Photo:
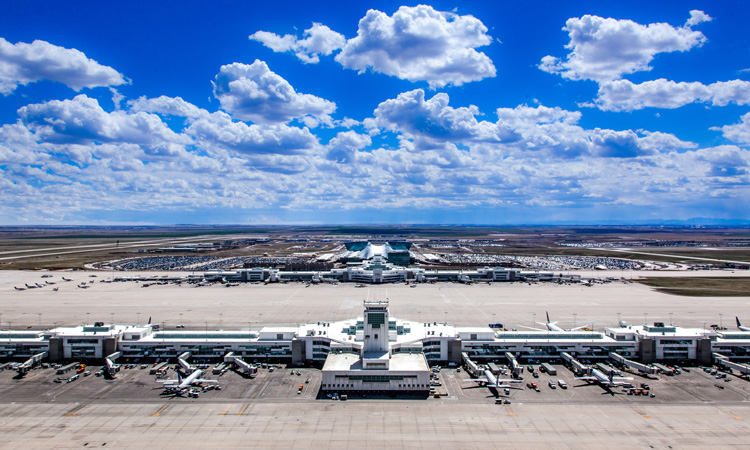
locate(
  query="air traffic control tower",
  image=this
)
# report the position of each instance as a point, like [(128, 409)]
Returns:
[(376, 368), (375, 349)]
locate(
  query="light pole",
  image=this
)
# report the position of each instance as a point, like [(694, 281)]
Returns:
[(618, 319), (40, 319), (112, 315), (533, 320), (221, 316), (139, 319), (180, 318), (645, 319), (261, 320), (670, 319), (87, 318), (574, 319), (721, 321)]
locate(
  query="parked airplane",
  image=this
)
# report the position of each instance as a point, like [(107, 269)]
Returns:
[(67, 279), (18, 288), (491, 381), (740, 326), (181, 385), (31, 286), (599, 377), (552, 326)]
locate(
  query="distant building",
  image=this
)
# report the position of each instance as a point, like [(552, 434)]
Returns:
[(395, 253)]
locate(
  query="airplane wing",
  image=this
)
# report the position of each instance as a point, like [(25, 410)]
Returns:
[(578, 328), (203, 380), (586, 378), (530, 328), (478, 380)]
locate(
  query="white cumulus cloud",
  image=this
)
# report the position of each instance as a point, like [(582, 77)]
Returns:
[(255, 93), (606, 49), (318, 40), (696, 17), (219, 129), (411, 114), (82, 120), (623, 95), (739, 132), (170, 106), (420, 44), (24, 63), (343, 148)]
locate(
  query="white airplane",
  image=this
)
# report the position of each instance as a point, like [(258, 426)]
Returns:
[(491, 381), (552, 326), (599, 377), (740, 326), (18, 288), (67, 279), (31, 286), (181, 385)]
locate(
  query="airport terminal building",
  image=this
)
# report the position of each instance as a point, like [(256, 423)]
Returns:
[(376, 351), (365, 262)]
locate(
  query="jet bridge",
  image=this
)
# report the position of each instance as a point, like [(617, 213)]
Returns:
[(239, 363), (112, 367), (515, 367), (578, 367), (186, 366), (470, 365), (722, 360), (643, 368), (24, 368)]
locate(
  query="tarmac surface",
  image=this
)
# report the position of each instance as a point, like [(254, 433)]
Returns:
[(255, 305), (688, 411)]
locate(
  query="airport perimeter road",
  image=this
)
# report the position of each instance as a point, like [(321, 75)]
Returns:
[(358, 424)]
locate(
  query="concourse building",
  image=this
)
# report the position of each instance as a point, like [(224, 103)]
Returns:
[(376, 351)]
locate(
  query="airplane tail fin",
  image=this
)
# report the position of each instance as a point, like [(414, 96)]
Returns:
[(548, 321), (149, 320), (738, 321)]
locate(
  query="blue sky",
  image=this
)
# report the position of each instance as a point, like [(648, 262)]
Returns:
[(456, 113)]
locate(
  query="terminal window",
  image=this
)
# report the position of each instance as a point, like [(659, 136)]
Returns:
[(376, 319)]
